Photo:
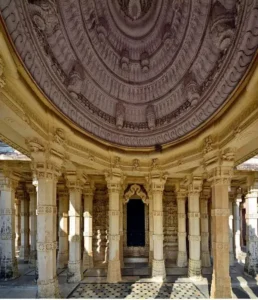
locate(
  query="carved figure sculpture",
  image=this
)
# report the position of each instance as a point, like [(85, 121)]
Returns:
[(75, 80), (192, 89), (120, 115), (151, 117)]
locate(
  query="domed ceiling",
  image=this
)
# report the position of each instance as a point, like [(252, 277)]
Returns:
[(135, 72)]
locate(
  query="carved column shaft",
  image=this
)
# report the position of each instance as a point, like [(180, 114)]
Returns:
[(74, 264), (181, 214), (230, 224), (237, 202), (17, 224), (87, 254), (221, 283), (205, 251), (24, 249), (194, 266), (150, 230), (121, 223), (114, 267), (8, 264), (62, 257), (158, 265), (32, 224), (251, 262)]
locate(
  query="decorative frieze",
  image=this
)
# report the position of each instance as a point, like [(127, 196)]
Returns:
[(220, 212), (194, 238), (46, 246), (46, 209)]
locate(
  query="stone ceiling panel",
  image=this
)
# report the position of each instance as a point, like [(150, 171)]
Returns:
[(135, 72)]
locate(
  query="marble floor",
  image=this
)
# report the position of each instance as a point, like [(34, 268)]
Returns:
[(136, 283)]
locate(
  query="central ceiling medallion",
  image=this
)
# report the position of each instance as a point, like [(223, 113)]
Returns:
[(135, 9)]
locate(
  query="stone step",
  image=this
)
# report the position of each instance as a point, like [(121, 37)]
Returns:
[(135, 260)]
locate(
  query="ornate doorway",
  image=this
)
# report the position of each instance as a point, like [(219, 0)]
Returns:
[(135, 223)]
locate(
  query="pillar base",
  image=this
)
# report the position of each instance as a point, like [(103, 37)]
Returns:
[(62, 259), (181, 259), (158, 269), (87, 261), (250, 266), (48, 288), (9, 269), (74, 272), (221, 287), (206, 259), (194, 269), (114, 271)]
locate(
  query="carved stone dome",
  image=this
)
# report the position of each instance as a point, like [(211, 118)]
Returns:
[(135, 72)]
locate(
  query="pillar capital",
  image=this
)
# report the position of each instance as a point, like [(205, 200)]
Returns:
[(46, 161), (157, 182), (114, 181), (8, 180), (194, 185), (88, 189), (30, 188), (75, 180)]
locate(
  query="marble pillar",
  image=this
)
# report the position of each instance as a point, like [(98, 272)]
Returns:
[(46, 180), (32, 223), (88, 193), (230, 225), (114, 266), (25, 246), (181, 215), (251, 261), (63, 253), (220, 177), (237, 220), (8, 264), (194, 189), (75, 186), (17, 224), (158, 264), (205, 251)]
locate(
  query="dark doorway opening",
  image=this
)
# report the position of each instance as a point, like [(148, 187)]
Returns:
[(135, 223)]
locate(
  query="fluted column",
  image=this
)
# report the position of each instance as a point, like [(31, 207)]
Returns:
[(32, 223), (220, 177), (205, 251), (181, 215), (237, 243), (88, 193), (75, 184), (114, 267), (63, 253), (157, 184), (17, 224), (8, 264), (25, 248), (194, 189), (251, 261), (230, 234)]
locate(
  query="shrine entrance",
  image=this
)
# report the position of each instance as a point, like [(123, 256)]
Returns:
[(135, 223)]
